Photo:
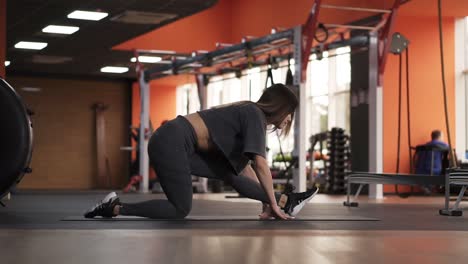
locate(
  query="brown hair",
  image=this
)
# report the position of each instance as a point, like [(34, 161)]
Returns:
[(436, 134), (277, 102)]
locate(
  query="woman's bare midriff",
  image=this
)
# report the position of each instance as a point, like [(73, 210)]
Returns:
[(203, 136)]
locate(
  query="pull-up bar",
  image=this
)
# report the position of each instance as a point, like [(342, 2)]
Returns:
[(350, 8), (156, 51), (348, 26), (360, 40), (288, 34)]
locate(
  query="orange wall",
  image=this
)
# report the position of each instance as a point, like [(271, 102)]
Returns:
[(197, 32), (426, 95), (2, 37), (257, 17)]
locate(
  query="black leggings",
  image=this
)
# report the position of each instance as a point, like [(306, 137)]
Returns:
[(172, 153)]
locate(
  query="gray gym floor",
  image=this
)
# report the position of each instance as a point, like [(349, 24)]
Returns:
[(409, 231)]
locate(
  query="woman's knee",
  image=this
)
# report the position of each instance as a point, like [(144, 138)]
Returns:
[(183, 209), (182, 201)]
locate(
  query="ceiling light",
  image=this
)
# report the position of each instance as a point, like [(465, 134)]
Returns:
[(87, 15), (60, 29), (112, 69), (141, 17), (147, 59), (31, 89), (7, 63), (30, 45), (48, 59)]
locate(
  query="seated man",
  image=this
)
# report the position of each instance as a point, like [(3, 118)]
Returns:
[(430, 159), (430, 155)]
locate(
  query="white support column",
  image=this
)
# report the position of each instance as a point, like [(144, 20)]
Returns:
[(332, 88), (375, 118), (144, 132), (201, 183), (299, 178), (461, 83), (202, 92)]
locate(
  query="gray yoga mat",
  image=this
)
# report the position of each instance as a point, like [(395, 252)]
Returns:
[(223, 218)]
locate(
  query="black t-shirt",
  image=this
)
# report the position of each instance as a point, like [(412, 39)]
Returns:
[(238, 130)]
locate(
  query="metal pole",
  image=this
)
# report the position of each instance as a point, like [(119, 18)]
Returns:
[(308, 33), (385, 38), (299, 175), (220, 52), (202, 182), (375, 118), (460, 197), (350, 8), (348, 26), (311, 166), (348, 191), (202, 91), (144, 132), (447, 191), (156, 51)]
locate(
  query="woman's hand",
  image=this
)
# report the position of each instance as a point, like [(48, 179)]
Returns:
[(278, 214), (275, 212), (266, 212), (264, 177)]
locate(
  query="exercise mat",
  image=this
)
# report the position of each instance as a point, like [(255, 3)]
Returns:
[(224, 218)]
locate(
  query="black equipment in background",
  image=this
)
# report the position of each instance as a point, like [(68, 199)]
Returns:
[(339, 163), (16, 138)]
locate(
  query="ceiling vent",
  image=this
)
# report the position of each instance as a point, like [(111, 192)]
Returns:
[(44, 59), (138, 17)]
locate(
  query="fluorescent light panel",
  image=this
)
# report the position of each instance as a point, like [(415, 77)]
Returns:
[(30, 45), (113, 69), (87, 15), (60, 29), (31, 89), (147, 59), (7, 63)]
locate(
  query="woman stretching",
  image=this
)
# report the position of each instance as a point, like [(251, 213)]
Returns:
[(226, 143)]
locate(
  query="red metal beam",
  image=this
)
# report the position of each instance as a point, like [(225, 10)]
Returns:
[(308, 33), (384, 38)]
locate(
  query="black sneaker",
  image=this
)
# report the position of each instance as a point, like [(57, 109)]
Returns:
[(296, 201), (104, 208)]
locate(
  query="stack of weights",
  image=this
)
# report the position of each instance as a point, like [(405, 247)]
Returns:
[(339, 163)]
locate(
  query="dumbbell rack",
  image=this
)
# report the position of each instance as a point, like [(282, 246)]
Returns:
[(340, 160)]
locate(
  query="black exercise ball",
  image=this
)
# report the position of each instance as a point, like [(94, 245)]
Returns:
[(16, 138)]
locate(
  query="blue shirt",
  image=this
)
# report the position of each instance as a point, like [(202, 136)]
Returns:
[(425, 158)]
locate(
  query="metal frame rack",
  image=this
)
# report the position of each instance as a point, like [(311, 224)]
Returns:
[(296, 43)]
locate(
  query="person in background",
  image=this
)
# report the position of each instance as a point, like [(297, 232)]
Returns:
[(425, 158), (429, 162)]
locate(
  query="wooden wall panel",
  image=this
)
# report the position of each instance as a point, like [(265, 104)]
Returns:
[(64, 128)]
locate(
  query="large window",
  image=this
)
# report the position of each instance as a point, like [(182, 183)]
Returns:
[(223, 90), (328, 84), (461, 88), (187, 99)]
